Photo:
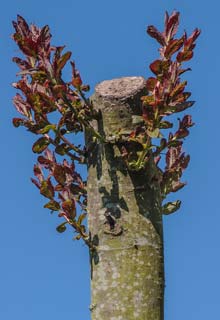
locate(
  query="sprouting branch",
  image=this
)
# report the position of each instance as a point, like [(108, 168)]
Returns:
[(43, 91)]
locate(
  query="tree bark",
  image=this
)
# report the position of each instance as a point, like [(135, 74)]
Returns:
[(125, 221)]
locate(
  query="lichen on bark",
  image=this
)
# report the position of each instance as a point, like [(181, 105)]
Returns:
[(127, 279)]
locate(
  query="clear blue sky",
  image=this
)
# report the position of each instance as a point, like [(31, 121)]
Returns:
[(45, 275)]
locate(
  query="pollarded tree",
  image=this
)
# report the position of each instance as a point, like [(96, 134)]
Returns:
[(127, 132)]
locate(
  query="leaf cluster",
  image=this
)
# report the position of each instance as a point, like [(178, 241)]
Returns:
[(167, 96), (43, 92)]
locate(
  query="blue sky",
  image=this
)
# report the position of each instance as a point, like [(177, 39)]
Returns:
[(45, 275)]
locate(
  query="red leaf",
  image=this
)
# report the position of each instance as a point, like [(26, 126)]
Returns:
[(173, 46), (17, 122), (76, 82), (44, 162), (151, 83), (154, 33), (184, 161), (44, 39), (21, 105), (64, 58), (184, 56), (171, 25), (57, 54), (186, 122), (183, 106), (62, 61), (38, 172), (182, 97), (50, 155), (178, 89), (189, 42), (172, 156), (22, 26), (181, 133), (59, 174), (76, 79), (179, 107), (23, 64), (24, 37), (158, 67), (69, 207)]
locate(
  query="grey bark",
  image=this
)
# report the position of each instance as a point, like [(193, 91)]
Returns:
[(127, 273)]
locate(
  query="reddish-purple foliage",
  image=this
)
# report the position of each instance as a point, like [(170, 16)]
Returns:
[(167, 95), (43, 91)]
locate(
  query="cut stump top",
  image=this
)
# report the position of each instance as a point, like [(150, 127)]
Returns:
[(120, 88)]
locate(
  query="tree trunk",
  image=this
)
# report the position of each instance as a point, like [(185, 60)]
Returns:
[(127, 274)]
